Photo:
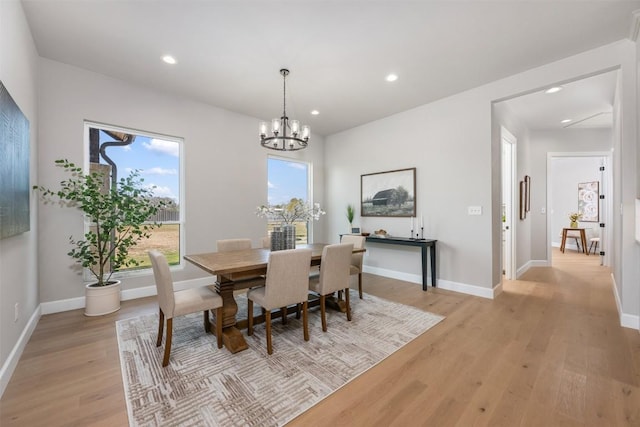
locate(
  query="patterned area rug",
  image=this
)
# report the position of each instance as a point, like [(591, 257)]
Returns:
[(205, 386)]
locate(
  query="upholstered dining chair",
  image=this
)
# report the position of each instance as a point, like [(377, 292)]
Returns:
[(356, 259), (287, 283), (177, 303), (228, 245), (335, 270)]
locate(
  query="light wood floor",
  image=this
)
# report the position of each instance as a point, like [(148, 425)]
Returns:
[(548, 351)]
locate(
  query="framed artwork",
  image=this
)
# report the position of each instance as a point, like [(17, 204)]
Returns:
[(14, 167), (527, 184), (589, 201), (523, 200), (391, 193)]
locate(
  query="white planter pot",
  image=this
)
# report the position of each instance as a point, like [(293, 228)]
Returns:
[(101, 300)]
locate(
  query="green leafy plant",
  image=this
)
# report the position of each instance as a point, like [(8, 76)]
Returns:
[(117, 216), (351, 212)]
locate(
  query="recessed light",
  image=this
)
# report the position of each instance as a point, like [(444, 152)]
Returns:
[(554, 89), (315, 112), (169, 59), (565, 121), (391, 77)]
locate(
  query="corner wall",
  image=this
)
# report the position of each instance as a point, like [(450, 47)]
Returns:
[(225, 167), (18, 254), (451, 143)]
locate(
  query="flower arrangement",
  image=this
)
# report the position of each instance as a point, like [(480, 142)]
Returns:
[(574, 216), (295, 210)]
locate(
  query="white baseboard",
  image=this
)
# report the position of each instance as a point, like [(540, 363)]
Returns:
[(125, 295), (12, 360), (442, 284), (626, 320), (532, 263)]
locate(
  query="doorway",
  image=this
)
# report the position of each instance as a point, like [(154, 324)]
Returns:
[(508, 143), (566, 172)]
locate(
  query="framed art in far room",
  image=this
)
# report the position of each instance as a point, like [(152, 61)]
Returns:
[(391, 193), (589, 201)]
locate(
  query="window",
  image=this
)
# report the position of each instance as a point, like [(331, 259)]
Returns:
[(158, 160), (286, 180)]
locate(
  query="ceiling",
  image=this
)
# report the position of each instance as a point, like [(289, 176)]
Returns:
[(229, 52)]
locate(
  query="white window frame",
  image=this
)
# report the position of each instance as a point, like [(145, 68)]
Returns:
[(309, 186), (144, 271)]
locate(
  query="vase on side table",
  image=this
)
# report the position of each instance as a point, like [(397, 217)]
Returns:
[(574, 224)]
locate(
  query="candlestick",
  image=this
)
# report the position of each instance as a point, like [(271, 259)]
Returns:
[(422, 232), (421, 221)]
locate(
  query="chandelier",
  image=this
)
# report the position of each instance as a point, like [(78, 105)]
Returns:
[(285, 135)]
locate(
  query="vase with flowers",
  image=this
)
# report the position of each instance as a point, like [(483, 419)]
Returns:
[(573, 218), (284, 235)]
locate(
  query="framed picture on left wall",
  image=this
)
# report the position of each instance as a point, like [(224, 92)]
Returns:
[(14, 167)]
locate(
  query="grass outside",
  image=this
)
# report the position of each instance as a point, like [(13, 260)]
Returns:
[(166, 239)]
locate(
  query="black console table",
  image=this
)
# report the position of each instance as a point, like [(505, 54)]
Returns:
[(422, 243)]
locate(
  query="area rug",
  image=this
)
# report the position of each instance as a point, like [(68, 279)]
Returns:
[(207, 386)]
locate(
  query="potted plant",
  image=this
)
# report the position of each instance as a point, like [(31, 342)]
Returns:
[(117, 215), (351, 212), (284, 236)]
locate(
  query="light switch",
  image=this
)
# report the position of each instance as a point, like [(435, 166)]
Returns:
[(474, 210)]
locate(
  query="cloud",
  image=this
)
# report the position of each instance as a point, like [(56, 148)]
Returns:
[(270, 185), (160, 191), (160, 171), (161, 146), (296, 165)]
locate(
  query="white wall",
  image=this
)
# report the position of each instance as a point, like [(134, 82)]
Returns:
[(451, 143), (18, 262), (225, 177)]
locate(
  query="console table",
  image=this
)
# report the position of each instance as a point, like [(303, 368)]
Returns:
[(422, 243)]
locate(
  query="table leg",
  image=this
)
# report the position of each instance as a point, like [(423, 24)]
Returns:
[(424, 268), (432, 253), (583, 237), (231, 335), (564, 239)]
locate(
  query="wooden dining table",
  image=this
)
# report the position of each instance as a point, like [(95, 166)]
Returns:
[(243, 269)]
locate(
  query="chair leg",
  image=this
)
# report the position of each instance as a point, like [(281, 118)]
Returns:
[(283, 314), (305, 320), (249, 317), (167, 344), (346, 299), (298, 311), (323, 313), (207, 324), (219, 314), (360, 284), (160, 328), (267, 320)]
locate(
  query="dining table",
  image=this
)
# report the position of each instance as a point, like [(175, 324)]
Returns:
[(237, 270)]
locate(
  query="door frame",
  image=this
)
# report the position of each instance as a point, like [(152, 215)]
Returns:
[(508, 248), (607, 206)]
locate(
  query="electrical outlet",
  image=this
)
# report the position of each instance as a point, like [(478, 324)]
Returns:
[(543, 210), (474, 210), (16, 313)]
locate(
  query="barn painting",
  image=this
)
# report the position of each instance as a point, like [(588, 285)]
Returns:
[(389, 193)]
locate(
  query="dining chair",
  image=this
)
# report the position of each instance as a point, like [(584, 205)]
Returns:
[(356, 259), (335, 270), (177, 303), (228, 245), (287, 283)]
